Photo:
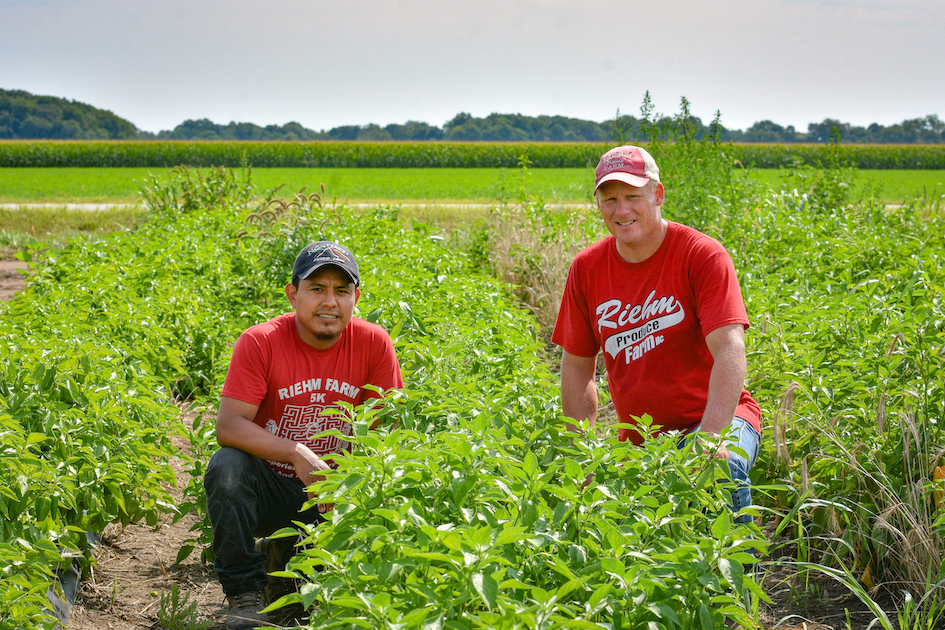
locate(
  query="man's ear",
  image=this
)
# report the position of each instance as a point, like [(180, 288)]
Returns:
[(660, 194), (291, 292), (357, 295)]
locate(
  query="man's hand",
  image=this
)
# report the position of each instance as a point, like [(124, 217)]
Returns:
[(720, 452), (308, 467)]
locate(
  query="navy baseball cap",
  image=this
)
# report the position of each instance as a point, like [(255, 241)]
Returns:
[(316, 255)]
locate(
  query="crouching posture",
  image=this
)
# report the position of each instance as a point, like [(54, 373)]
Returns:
[(282, 389)]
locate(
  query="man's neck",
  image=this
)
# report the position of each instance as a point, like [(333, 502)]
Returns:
[(643, 251)]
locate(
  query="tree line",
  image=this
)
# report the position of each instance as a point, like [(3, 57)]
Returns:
[(24, 115)]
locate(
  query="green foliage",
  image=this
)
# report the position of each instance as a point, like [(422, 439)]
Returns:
[(701, 190), (467, 508), (23, 115), (846, 353), (472, 460), (846, 356), (327, 154), (470, 496), (179, 613), (92, 354), (891, 156), (488, 523), (434, 154)]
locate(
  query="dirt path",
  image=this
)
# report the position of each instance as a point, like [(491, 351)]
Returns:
[(11, 278), (136, 566)]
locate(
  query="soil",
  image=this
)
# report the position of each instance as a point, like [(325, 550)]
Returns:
[(11, 278), (136, 565)]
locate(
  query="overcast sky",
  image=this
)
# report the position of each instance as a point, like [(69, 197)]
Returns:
[(326, 63)]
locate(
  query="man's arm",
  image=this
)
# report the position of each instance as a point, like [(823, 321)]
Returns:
[(236, 429), (578, 389), (727, 379)]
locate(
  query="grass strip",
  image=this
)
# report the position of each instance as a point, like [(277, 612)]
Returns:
[(392, 185)]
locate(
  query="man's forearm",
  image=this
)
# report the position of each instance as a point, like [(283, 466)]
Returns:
[(726, 381), (253, 439), (578, 389)]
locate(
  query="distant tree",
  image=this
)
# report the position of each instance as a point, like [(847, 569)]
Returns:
[(517, 128), (463, 127), (822, 131), (764, 131), (412, 130), (458, 120), (926, 130), (27, 116), (373, 132), (202, 129), (24, 115), (893, 134), (295, 131), (346, 132)]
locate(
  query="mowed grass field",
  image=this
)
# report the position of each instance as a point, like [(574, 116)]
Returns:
[(480, 185)]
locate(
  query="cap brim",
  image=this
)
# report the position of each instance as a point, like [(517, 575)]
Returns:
[(626, 178), (317, 266)]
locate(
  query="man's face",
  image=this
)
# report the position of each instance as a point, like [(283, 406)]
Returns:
[(632, 215), (324, 304)]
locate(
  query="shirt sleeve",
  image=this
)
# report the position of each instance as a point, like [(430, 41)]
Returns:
[(718, 296), (246, 377), (385, 371), (573, 328)]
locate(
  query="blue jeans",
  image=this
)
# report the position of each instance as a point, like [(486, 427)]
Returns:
[(746, 438), (245, 500)]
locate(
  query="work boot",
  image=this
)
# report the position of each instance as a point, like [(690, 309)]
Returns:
[(278, 552), (245, 610)]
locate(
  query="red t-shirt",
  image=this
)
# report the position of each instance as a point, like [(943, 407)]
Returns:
[(651, 319), (294, 384)]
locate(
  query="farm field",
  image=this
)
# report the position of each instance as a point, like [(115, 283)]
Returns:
[(481, 185), (466, 510)]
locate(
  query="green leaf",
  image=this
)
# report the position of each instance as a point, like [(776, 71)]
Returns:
[(530, 465), (184, 552), (486, 587)]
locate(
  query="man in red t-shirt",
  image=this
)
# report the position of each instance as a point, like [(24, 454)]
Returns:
[(283, 388), (663, 302)]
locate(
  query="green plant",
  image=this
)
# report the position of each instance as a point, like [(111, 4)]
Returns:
[(927, 612), (434, 154), (473, 475), (179, 613)]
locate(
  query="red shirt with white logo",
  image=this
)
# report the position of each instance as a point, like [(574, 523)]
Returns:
[(298, 387), (651, 319)]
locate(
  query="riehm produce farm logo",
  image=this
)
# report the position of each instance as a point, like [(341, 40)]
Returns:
[(649, 320)]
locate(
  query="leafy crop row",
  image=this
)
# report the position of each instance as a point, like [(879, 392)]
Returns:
[(877, 156), (467, 509), (846, 357), (294, 154), (470, 493), (416, 154), (848, 354), (92, 356)]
